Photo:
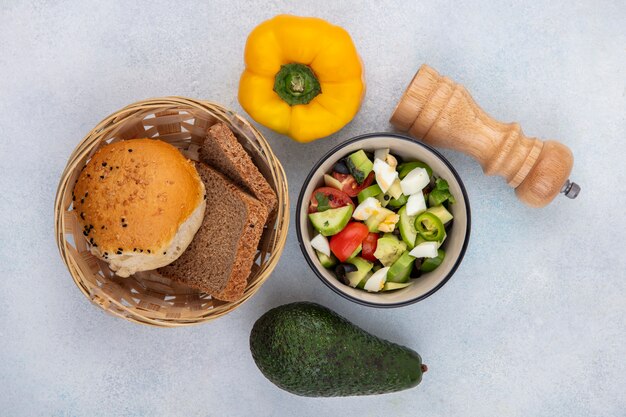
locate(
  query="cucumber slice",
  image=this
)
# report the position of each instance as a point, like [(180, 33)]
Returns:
[(332, 221), (401, 269), (371, 191), (326, 261), (363, 268), (440, 211), (407, 228), (405, 168), (361, 284), (392, 286), (356, 252), (359, 166), (332, 182), (398, 202), (430, 264)]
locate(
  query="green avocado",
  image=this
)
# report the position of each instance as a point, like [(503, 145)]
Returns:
[(388, 249), (326, 261), (363, 268), (395, 191), (309, 350), (401, 269), (440, 211)]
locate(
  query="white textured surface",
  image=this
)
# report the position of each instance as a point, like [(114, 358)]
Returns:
[(532, 324)]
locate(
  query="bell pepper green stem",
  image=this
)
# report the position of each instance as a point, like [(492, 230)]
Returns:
[(296, 84)]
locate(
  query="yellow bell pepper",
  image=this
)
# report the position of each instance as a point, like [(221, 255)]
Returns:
[(303, 77)]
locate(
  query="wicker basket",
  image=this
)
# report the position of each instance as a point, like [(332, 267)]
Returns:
[(147, 297)]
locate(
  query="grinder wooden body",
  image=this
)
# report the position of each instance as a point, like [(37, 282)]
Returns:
[(442, 113)]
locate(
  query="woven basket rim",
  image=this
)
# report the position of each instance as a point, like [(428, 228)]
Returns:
[(90, 140)]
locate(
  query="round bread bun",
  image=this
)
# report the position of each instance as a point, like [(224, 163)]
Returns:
[(140, 203)]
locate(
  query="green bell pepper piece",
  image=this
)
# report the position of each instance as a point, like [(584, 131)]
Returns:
[(430, 227), (430, 264)]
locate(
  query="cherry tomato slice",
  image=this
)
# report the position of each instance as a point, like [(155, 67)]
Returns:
[(344, 243), (329, 198), (349, 184), (369, 247)]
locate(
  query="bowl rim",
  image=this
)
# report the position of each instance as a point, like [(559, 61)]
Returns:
[(337, 149)]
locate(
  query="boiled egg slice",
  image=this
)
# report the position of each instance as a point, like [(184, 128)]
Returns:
[(369, 207), (415, 204), (381, 154), (425, 250), (415, 181), (385, 174), (389, 223), (320, 242), (377, 281)]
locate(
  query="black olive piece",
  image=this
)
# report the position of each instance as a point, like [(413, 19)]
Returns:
[(341, 167), (448, 225), (342, 270), (418, 263), (416, 272)]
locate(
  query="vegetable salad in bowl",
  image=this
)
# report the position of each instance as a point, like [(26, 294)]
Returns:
[(380, 222)]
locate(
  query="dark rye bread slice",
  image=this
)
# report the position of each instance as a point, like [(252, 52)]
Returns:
[(222, 150), (220, 256)]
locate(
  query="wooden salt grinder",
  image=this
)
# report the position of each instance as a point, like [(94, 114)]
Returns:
[(443, 114)]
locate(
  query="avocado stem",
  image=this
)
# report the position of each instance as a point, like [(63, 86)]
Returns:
[(424, 367)]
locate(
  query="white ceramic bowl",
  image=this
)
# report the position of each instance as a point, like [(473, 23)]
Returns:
[(454, 245)]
